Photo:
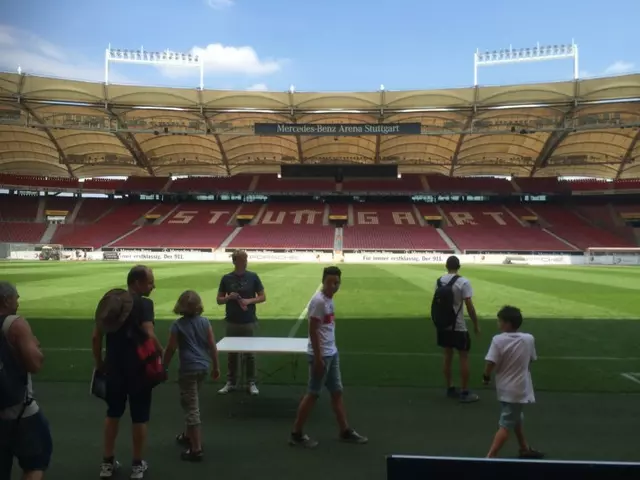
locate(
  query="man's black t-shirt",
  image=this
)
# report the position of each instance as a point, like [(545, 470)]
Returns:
[(247, 285), (120, 345)]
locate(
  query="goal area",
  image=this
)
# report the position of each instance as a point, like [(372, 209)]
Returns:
[(612, 256)]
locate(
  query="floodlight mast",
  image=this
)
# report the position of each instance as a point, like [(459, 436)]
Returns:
[(519, 55), (167, 58)]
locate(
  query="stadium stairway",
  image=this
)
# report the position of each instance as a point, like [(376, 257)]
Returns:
[(448, 241), (636, 232), (230, 238), (41, 206), (74, 213), (49, 233), (133, 230), (560, 239)]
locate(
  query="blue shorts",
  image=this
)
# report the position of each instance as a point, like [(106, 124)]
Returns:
[(28, 440), (511, 415), (332, 379)]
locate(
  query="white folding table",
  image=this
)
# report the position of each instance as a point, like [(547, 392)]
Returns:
[(263, 345)]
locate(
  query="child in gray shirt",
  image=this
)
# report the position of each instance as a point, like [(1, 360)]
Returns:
[(193, 337)]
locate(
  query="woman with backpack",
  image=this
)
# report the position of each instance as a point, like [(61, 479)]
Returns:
[(192, 336)]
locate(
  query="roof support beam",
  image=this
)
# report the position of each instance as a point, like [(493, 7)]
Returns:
[(627, 156), (467, 126), (61, 154), (381, 117), (556, 138), (216, 137), (294, 119)]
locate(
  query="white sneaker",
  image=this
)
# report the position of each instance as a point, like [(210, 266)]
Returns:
[(138, 471), (228, 387), (253, 389), (107, 469)]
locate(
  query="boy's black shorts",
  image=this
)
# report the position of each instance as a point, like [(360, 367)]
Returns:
[(460, 341)]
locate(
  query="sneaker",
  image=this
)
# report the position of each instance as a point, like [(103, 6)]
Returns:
[(183, 440), (253, 389), (228, 387), (138, 470), (107, 469), (351, 436), (192, 456), (531, 454), (468, 397), (453, 392), (302, 440)]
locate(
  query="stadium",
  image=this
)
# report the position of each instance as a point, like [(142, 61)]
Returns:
[(535, 187)]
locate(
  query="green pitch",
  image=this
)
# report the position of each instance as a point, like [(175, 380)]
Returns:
[(585, 319)]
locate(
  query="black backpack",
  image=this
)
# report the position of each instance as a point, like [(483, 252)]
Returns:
[(13, 377), (443, 314)]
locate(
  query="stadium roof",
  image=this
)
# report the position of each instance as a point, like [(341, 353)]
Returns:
[(55, 127)]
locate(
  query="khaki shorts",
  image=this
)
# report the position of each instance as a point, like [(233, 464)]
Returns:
[(189, 400)]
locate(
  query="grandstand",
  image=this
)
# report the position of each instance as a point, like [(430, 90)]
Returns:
[(195, 172)]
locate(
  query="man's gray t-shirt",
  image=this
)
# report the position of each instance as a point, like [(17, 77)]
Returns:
[(247, 285), (193, 344), (461, 290)]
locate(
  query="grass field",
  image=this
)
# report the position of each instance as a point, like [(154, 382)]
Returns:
[(585, 320)]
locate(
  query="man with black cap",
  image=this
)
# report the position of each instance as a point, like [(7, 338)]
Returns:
[(458, 338), (120, 313)]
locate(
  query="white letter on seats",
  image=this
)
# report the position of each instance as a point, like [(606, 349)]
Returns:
[(368, 218), (497, 216), (184, 216), (268, 218), (462, 218), (216, 216), (311, 216), (401, 218)]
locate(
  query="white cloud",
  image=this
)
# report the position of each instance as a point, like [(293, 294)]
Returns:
[(36, 56), (228, 60), (220, 4), (619, 67), (258, 87)]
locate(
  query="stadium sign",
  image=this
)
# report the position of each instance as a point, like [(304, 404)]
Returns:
[(337, 129)]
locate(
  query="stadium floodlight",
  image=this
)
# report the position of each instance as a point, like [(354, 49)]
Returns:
[(536, 54), (167, 58)]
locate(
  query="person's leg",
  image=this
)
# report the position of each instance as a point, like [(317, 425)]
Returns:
[(314, 386), (507, 422), (333, 382), (231, 330), (462, 343), (444, 341), (250, 360), (33, 446), (140, 410), (116, 399), (6, 449), (190, 405), (525, 449)]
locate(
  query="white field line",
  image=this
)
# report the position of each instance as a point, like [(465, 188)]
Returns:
[(425, 354), (632, 376), (303, 315)]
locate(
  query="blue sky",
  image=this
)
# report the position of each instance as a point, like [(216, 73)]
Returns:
[(329, 45)]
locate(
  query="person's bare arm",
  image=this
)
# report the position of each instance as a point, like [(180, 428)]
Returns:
[(259, 298), (172, 346), (223, 298), (471, 310), (213, 351), (96, 347), (150, 330), (314, 336), (21, 337)]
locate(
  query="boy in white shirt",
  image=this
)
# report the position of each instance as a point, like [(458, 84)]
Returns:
[(510, 355), (324, 364)]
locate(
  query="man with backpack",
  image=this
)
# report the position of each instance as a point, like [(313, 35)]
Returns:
[(126, 319), (453, 292), (24, 431)]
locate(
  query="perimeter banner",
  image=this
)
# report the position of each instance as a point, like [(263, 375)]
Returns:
[(337, 129)]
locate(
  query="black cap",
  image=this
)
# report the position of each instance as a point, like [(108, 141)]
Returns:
[(453, 263)]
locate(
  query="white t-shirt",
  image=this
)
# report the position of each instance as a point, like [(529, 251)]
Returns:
[(461, 290), (321, 307), (512, 353)]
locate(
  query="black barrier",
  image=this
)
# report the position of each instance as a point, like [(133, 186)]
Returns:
[(110, 256), (400, 467)]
